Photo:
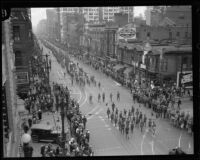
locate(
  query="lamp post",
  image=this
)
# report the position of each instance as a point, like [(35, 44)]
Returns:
[(47, 67), (181, 74), (64, 101), (62, 113)]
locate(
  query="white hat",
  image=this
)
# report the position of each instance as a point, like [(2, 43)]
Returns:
[(26, 138)]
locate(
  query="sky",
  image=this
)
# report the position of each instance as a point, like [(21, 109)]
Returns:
[(40, 13)]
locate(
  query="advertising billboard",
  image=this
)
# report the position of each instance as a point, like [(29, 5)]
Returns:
[(127, 33), (186, 79)]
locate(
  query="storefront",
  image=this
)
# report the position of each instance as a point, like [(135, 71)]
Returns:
[(127, 76), (117, 68)]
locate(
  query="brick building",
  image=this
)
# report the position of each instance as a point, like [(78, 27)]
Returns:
[(169, 36), (179, 15), (164, 62), (23, 46)]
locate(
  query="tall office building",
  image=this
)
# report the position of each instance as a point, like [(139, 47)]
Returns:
[(129, 11), (91, 14), (98, 14), (108, 13)]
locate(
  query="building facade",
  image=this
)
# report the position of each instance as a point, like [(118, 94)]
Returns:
[(91, 14), (72, 25), (42, 27), (9, 108), (164, 63), (177, 15), (53, 24), (23, 47), (129, 11), (110, 41)]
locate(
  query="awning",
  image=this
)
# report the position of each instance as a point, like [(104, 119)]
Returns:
[(122, 69), (128, 70), (117, 67)]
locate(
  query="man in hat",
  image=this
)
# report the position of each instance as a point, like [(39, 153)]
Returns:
[(84, 121), (28, 150), (42, 150), (87, 135), (30, 122)]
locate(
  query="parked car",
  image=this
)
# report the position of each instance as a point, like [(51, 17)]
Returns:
[(44, 132)]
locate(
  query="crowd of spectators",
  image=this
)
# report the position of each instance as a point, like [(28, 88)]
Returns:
[(162, 101)]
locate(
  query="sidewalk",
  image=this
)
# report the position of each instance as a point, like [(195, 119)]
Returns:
[(15, 148), (187, 106)]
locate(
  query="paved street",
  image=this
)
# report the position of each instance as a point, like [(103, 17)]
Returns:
[(106, 138)]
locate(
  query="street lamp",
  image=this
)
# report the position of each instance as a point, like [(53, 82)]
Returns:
[(64, 101), (63, 123)]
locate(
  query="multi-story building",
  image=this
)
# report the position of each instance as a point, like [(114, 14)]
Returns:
[(174, 15), (53, 24), (121, 19), (91, 14), (110, 40), (180, 15), (71, 27), (165, 63), (17, 48), (23, 46), (129, 11), (99, 14), (134, 51), (96, 32), (42, 27), (9, 109), (108, 13), (70, 9)]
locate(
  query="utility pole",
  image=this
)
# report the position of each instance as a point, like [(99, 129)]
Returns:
[(63, 123), (47, 67)]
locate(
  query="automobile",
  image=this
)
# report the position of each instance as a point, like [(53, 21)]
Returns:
[(45, 132)]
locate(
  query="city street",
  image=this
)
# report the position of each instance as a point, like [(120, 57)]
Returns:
[(97, 81), (106, 139)]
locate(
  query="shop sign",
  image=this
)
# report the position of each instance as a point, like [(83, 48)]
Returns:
[(143, 66), (22, 77), (186, 79), (127, 33)]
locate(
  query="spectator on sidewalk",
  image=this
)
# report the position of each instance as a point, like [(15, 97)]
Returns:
[(42, 150), (28, 150), (179, 103), (84, 121), (30, 122), (40, 114)]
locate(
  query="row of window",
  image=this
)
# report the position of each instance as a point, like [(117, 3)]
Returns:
[(17, 34), (170, 34)]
